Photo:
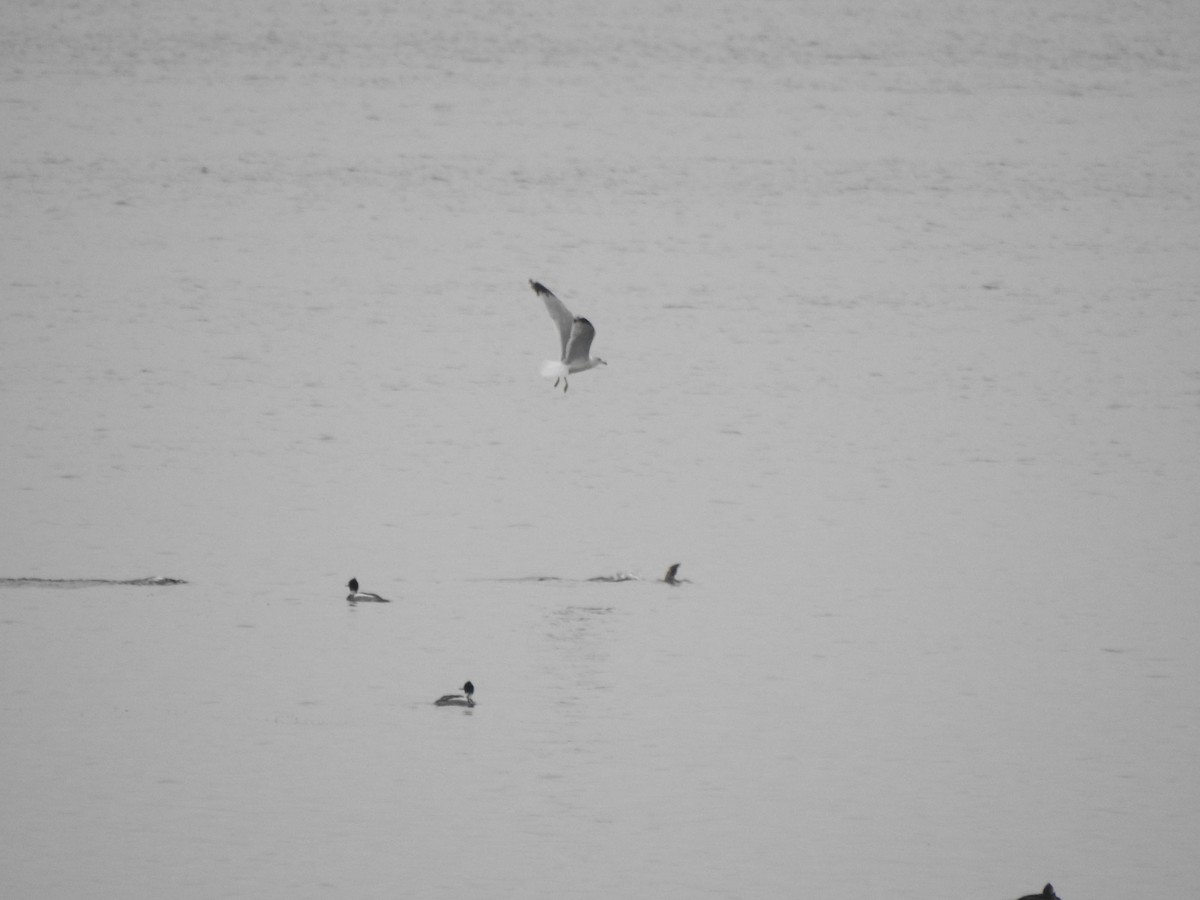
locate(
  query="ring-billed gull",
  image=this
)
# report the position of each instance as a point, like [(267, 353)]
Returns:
[(457, 699), (576, 333)]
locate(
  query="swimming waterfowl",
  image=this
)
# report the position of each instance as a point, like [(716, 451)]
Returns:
[(576, 334), (357, 596), (1046, 894), (457, 699)]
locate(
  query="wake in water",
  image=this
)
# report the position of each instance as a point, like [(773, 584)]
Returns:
[(153, 581), (670, 578)]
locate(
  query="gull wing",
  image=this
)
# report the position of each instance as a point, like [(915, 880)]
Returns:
[(580, 343), (558, 312)]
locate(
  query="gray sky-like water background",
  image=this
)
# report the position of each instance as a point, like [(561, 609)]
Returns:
[(900, 307)]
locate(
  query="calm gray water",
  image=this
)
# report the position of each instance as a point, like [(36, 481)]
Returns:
[(899, 303)]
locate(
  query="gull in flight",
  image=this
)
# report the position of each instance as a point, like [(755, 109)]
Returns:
[(576, 333)]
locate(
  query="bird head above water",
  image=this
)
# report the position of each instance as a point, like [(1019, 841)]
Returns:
[(356, 596), (458, 699)]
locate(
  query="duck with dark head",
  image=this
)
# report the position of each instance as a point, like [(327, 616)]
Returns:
[(357, 596), (1046, 894), (463, 699)]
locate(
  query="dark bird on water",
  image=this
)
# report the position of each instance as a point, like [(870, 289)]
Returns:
[(357, 596), (1046, 894), (670, 578), (457, 699)]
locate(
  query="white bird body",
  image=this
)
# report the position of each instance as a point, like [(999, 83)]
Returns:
[(454, 700), (576, 334)]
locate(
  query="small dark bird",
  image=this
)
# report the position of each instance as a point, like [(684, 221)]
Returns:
[(357, 596), (457, 699), (1046, 894), (670, 578)]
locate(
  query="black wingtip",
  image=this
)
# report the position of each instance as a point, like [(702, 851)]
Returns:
[(538, 287)]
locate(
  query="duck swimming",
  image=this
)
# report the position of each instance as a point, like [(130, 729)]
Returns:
[(457, 699), (1046, 894), (357, 596)]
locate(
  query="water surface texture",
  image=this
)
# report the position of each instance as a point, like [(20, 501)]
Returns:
[(900, 307)]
